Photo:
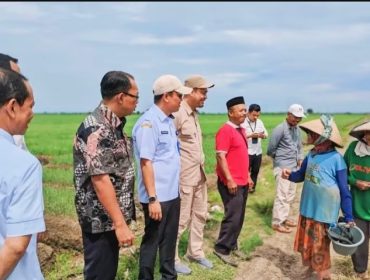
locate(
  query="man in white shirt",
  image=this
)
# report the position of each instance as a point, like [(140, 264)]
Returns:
[(255, 131)]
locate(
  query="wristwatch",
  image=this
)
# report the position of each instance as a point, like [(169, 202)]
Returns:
[(152, 199)]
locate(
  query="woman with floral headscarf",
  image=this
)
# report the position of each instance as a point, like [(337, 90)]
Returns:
[(357, 157), (325, 190)]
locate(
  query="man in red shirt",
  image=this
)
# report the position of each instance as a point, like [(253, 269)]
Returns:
[(233, 179)]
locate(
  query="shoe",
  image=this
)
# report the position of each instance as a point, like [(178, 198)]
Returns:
[(202, 261), (228, 259), (241, 255), (290, 223), (363, 275), (182, 268), (281, 228)]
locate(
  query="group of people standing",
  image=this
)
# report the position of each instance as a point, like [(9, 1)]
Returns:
[(166, 145)]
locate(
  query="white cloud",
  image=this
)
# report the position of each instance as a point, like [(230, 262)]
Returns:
[(17, 11), (343, 34), (321, 87), (225, 80)]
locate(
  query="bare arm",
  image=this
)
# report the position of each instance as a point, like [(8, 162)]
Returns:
[(11, 252), (155, 211), (107, 197), (222, 162)]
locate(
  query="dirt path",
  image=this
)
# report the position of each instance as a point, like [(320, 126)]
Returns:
[(276, 260)]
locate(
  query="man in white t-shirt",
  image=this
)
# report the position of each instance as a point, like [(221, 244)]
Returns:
[(255, 132)]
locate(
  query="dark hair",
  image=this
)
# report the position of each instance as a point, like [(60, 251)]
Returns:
[(12, 85), (115, 82), (254, 107), (157, 98), (5, 61)]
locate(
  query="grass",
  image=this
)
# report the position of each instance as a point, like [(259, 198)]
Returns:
[(50, 136)]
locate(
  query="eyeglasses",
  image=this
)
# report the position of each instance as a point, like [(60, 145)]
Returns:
[(131, 95)]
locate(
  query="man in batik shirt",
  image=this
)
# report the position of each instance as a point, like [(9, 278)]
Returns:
[(104, 176)]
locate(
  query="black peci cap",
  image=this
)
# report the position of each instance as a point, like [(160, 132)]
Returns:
[(235, 101)]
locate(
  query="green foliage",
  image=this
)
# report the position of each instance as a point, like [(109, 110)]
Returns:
[(59, 200), (65, 267)]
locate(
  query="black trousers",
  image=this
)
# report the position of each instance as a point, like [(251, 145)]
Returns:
[(233, 220), (361, 256), (163, 235), (254, 167), (101, 255)]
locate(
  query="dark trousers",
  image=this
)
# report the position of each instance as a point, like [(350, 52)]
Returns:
[(254, 167), (233, 220), (361, 256), (163, 235), (101, 255)]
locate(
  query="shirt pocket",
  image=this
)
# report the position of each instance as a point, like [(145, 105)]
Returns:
[(188, 135)]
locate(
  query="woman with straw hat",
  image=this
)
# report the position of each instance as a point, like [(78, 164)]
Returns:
[(357, 157), (325, 190)]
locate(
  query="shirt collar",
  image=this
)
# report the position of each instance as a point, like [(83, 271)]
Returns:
[(111, 117), (6, 135), (187, 108), (162, 116), (233, 124)]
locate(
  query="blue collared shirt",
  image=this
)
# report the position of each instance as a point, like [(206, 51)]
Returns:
[(21, 203), (154, 137)]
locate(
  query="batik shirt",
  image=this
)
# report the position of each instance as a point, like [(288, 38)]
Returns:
[(101, 147)]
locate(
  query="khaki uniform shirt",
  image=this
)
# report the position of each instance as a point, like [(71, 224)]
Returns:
[(191, 149)]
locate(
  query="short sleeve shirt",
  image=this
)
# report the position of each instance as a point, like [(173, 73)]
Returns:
[(101, 147), (21, 203), (155, 139), (233, 143), (191, 150), (254, 127)]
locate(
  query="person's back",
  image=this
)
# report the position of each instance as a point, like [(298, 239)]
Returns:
[(16, 164)]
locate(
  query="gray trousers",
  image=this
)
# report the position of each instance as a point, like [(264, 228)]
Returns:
[(361, 256)]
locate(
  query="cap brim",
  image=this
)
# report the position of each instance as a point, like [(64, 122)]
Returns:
[(299, 115), (184, 90)]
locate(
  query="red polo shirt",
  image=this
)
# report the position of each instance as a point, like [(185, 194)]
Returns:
[(230, 141)]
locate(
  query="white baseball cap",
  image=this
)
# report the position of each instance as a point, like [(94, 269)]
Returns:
[(169, 83), (297, 110)]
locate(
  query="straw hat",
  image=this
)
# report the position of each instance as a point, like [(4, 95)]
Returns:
[(359, 131), (317, 127)]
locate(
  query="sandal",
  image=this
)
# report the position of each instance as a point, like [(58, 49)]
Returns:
[(290, 223), (281, 228)]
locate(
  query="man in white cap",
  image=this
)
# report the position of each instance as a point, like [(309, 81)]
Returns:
[(193, 188), (285, 148), (158, 157)]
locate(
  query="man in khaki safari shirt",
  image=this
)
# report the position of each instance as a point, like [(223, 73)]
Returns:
[(193, 188)]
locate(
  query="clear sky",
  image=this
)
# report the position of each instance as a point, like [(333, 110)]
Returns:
[(273, 53)]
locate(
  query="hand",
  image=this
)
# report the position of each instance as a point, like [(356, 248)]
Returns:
[(362, 185), (262, 135), (124, 236), (285, 173), (350, 224), (232, 187), (155, 211), (250, 183)]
